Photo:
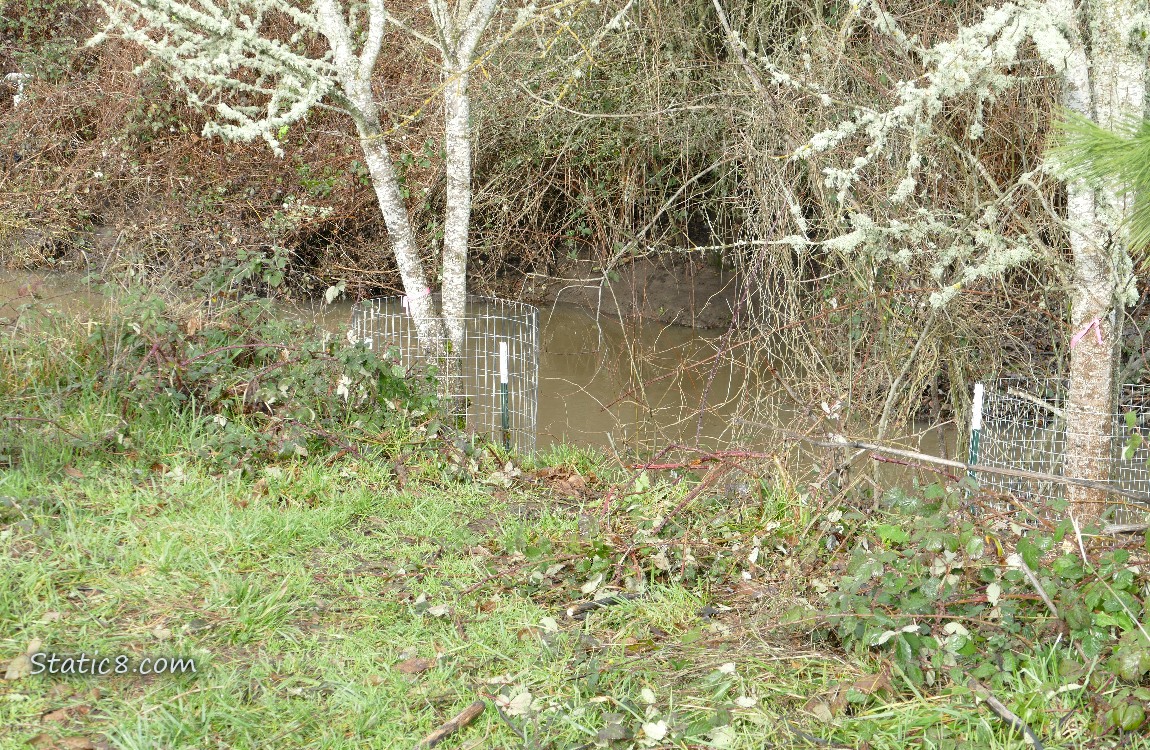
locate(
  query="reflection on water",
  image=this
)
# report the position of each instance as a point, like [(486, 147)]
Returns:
[(25, 292)]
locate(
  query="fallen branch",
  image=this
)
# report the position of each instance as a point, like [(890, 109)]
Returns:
[(1004, 713), (582, 609), (1115, 529), (840, 442), (454, 724), (712, 476)]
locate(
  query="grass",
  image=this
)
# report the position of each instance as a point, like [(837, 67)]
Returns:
[(298, 592), (308, 590), (295, 605)]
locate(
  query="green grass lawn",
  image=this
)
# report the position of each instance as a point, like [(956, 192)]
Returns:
[(308, 597)]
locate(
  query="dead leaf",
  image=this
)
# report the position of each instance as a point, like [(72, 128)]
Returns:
[(753, 590), (19, 668), (872, 683), (415, 665), (194, 325), (66, 713), (76, 743), (591, 585), (31, 289), (819, 709), (400, 470), (40, 740), (517, 706), (50, 617), (73, 472)]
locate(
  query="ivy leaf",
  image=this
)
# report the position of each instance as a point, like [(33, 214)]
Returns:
[(993, 594), (1030, 552), (892, 534)]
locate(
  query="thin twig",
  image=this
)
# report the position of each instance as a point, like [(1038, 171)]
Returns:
[(712, 475), (1017, 561), (453, 725), (14, 418), (1004, 713), (913, 465), (841, 442)]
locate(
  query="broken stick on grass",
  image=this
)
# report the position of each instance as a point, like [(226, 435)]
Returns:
[(454, 724), (582, 609), (1004, 713)]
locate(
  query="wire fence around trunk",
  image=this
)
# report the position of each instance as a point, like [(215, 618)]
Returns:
[(1023, 426), (492, 384)]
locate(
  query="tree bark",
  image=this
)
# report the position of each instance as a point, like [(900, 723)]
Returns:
[(458, 211), (354, 72), (403, 244), (1105, 81)]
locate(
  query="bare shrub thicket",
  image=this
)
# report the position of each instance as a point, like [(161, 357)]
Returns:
[(606, 133), (842, 327)]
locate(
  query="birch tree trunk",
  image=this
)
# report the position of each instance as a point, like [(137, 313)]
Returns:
[(458, 211), (459, 34), (260, 85), (403, 243), (1106, 82), (354, 72)]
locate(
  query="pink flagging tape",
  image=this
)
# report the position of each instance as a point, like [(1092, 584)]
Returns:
[(1096, 324), (404, 299)]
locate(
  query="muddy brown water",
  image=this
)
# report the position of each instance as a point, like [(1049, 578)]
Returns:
[(618, 385), (623, 386)]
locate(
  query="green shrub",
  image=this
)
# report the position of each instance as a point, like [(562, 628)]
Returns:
[(253, 382), (947, 594)]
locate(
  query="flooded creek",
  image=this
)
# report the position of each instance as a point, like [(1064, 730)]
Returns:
[(624, 387)]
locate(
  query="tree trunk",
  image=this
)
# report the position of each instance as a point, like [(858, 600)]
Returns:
[(403, 244), (458, 210), (1090, 399), (355, 73), (1106, 81)]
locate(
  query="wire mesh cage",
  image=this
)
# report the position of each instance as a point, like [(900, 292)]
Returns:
[(1024, 427), (493, 385)]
